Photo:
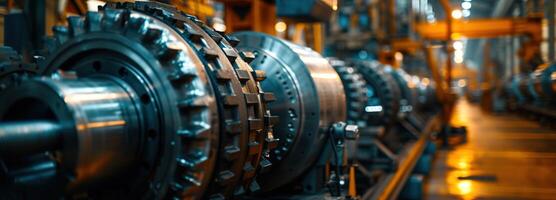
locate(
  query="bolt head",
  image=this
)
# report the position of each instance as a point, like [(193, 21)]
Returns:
[(352, 132)]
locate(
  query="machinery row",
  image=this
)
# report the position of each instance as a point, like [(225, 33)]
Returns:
[(534, 93), (142, 101)]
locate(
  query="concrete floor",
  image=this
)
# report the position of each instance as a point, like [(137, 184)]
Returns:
[(505, 157)]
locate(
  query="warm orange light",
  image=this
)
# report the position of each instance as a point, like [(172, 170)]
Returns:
[(457, 14), (458, 59), (458, 45), (455, 36), (462, 83), (425, 81), (464, 187), (280, 26)]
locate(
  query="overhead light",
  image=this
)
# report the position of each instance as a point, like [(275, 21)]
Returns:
[(425, 81), (280, 26), (466, 5), (458, 59), (458, 45), (466, 13), (456, 14), (458, 53), (462, 83)]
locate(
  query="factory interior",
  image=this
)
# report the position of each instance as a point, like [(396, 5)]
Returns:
[(277, 99)]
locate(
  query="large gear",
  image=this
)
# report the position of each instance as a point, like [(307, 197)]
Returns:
[(426, 95), (407, 95), (383, 103), (241, 103), (175, 95), (356, 94), (13, 70)]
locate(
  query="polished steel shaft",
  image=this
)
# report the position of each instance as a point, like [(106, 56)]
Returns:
[(91, 123), (27, 137)]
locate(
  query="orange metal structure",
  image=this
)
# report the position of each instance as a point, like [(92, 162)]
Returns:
[(489, 28)]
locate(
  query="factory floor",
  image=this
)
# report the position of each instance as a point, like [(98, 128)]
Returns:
[(505, 157)]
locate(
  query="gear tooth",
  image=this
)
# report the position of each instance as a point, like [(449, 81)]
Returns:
[(113, 19), (254, 186), (76, 25), (179, 77), (223, 75), (243, 75), (176, 187), (233, 40), (125, 5), (231, 152), (191, 104), (233, 127), (192, 161), (136, 23), (225, 176), (92, 21), (259, 75), (239, 190), (197, 131), (185, 163), (247, 56), (192, 179), (166, 16), (222, 33), (191, 33), (231, 100), (215, 36), (152, 35), (231, 54), (209, 54), (251, 98), (60, 33), (50, 44), (265, 165), (169, 53), (186, 15)]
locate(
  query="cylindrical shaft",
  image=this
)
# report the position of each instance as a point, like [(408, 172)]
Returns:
[(27, 137)]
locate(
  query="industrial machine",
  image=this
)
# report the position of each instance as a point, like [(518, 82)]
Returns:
[(140, 100), (534, 93), (143, 101), (389, 108)]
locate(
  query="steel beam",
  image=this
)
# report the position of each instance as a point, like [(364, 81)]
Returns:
[(484, 28)]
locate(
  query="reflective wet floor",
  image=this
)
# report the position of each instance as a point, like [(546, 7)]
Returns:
[(505, 157)]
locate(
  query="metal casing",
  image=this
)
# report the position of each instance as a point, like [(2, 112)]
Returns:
[(309, 98)]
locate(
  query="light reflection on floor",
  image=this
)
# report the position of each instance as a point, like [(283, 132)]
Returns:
[(505, 157)]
